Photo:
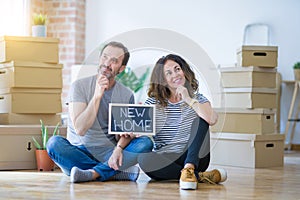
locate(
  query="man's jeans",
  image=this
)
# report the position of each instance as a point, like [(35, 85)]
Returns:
[(66, 156)]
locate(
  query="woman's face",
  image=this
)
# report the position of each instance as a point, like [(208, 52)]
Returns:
[(173, 74)]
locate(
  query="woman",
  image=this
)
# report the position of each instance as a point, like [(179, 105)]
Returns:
[(183, 115)]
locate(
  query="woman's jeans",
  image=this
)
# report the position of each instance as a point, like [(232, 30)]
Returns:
[(66, 156)]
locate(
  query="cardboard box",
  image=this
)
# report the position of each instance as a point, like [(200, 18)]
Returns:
[(22, 119), (250, 98), (261, 56), (247, 150), (35, 49), (248, 77), (30, 75), (16, 147), (38, 101), (254, 121)]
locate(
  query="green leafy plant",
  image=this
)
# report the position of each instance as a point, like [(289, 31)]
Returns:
[(39, 19), (296, 65), (45, 136), (129, 79)]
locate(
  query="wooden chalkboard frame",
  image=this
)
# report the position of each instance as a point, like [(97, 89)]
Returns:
[(137, 106)]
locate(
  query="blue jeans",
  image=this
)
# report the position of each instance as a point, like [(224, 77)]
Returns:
[(66, 156)]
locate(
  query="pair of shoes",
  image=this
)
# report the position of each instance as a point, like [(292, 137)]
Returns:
[(129, 174), (188, 180), (213, 177), (78, 175)]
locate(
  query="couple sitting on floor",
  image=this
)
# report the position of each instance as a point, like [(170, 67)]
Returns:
[(180, 148)]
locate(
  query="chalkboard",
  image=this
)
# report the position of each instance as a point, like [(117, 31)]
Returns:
[(131, 118)]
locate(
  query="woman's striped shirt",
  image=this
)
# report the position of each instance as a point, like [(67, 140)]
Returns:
[(173, 124)]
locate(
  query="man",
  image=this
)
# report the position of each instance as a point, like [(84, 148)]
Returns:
[(89, 152)]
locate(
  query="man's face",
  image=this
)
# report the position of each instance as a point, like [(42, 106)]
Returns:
[(111, 62)]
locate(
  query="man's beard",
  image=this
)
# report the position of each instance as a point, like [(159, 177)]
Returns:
[(106, 72), (109, 75)]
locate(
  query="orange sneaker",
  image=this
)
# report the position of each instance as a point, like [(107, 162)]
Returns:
[(213, 177), (188, 180)]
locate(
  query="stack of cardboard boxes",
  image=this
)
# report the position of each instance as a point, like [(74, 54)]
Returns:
[(245, 134), (30, 90), (30, 80)]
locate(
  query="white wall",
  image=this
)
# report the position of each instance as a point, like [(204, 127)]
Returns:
[(216, 25)]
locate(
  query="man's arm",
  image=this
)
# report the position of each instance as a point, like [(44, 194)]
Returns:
[(115, 160), (83, 115)]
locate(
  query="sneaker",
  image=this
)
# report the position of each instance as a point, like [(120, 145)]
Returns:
[(78, 175), (129, 174), (188, 180), (213, 177)]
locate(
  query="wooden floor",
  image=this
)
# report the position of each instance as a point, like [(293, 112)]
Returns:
[(242, 183)]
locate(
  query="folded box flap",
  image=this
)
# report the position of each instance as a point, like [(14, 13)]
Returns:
[(254, 90), (257, 48), (29, 39), (30, 90), (248, 69), (265, 111), (246, 136), (30, 64)]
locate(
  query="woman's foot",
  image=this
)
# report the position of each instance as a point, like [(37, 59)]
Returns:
[(188, 180), (213, 177)]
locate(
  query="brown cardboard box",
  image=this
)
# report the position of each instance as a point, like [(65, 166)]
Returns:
[(16, 147), (30, 75), (42, 101), (260, 56), (250, 98), (22, 119), (254, 121), (241, 77), (247, 150), (35, 49)]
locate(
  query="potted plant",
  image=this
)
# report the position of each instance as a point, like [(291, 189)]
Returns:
[(44, 162), (129, 78), (39, 28), (297, 71)]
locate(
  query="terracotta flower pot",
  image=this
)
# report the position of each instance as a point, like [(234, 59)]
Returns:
[(44, 162)]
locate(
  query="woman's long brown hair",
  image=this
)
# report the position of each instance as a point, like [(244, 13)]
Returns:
[(158, 85)]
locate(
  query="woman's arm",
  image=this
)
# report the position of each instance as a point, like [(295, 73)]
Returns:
[(205, 111)]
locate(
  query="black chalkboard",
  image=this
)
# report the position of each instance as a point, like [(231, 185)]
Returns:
[(131, 118)]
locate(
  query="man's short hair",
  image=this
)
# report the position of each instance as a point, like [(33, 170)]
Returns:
[(121, 46)]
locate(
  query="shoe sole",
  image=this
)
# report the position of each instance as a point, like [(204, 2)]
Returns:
[(188, 185), (223, 174)]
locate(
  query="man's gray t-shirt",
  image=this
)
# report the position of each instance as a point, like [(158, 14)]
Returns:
[(97, 136)]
